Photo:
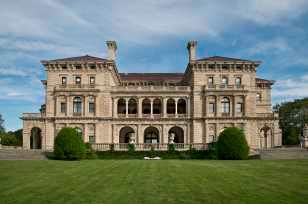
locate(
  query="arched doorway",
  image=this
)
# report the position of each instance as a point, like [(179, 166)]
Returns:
[(151, 135), (265, 134), (36, 138), (125, 134), (178, 134)]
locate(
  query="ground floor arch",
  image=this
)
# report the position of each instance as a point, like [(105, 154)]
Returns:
[(151, 135), (177, 134), (125, 134), (36, 138)]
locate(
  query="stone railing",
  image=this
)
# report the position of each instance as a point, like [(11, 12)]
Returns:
[(74, 86), (147, 147), (31, 115), (267, 115), (151, 88), (224, 87)]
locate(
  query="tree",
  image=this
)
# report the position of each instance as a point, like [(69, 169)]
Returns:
[(232, 144), (2, 130)]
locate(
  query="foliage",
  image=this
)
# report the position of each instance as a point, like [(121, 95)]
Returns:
[(131, 148), (90, 153), (2, 130), (171, 147), (9, 140), (292, 115), (232, 144), (69, 145), (17, 135)]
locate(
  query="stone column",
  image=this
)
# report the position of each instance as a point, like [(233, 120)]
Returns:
[(205, 105), (217, 106), (165, 107), (151, 99), (115, 107), (245, 106), (188, 106), (126, 107), (86, 105), (233, 106), (176, 107), (68, 106), (85, 132), (140, 107)]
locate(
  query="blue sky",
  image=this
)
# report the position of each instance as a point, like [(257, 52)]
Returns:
[(151, 37)]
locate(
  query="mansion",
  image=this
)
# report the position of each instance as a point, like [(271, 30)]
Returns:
[(188, 109)]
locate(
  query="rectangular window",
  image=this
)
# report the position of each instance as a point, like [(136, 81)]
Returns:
[(211, 107), (63, 107), (91, 139), (92, 80), (239, 107), (78, 80), (91, 107), (211, 80), (64, 80), (224, 81)]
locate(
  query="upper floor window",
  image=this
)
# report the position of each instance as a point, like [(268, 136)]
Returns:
[(258, 97), (211, 107), (91, 104), (78, 66), (238, 81), (210, 80), (64, 81), (78, 80), (77, 104), (224, 80), (225, 105), (92, 80), (63, 107), (239, 107), (92, 66)]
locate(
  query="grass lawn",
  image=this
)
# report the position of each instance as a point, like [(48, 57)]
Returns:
[(165, 181)]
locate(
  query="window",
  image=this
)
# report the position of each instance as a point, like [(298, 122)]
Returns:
[(91, 134), (91, 139), (239, 107), (258, 98), (63, 66), (78, 131), (211, 80), (91, 105), (211, 107), (92, 80), (92, 66), (63, 107), (224, 80), (78, 66), (64, 80), (225, 105), (77, 105), (238, 81), (78, 80)]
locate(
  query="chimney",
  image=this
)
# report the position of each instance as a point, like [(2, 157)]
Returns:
[(191, 46), (112, 48)]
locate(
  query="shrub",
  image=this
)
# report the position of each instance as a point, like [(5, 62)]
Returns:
[(292, 137), (232, 144), (90, 153), (171, 148), (131, 147), (69, 145), (9, 140)]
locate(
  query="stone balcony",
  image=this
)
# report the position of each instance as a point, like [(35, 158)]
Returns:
[(76, 87), (224, 87)]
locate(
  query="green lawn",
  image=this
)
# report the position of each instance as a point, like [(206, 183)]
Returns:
[(165, 181)]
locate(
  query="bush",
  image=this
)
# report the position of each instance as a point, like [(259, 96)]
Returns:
[(232, 144), (90, 153), (292, 137), (68, 145), (131, 148), (171, 148), (9, 140)]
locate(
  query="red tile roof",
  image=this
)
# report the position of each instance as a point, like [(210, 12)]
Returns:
[(220, 58), (151, 76), (80, 58)]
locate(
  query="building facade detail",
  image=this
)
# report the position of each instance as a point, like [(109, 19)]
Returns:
[(107, 107)]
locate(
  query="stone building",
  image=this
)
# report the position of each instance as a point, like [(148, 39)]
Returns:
[(190, 108)]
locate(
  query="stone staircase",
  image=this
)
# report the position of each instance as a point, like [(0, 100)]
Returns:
[(20, 154), (284, 153)]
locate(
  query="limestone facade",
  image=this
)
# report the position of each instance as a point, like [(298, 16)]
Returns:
[(108, 107)]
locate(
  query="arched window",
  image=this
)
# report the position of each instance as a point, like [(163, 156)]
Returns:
[(146, 106), (77, 104), (156, 106), (225, 105), (181, 106), (170, 106), (121, 106), (151, 135), (132, 106)]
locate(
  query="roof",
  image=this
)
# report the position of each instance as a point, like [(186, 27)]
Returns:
[(151, 76), (224, 59), (266, 81), (79, 58)]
